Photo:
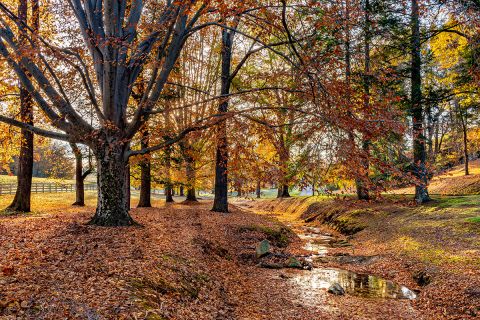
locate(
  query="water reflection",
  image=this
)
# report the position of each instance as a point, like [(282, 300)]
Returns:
[(357, 284), (315, 282)]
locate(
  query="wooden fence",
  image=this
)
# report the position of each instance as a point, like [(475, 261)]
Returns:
[(11, 188)]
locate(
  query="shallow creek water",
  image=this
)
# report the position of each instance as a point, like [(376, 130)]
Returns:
[(314, 282)]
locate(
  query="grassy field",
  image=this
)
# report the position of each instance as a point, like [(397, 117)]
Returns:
[(13, 179)]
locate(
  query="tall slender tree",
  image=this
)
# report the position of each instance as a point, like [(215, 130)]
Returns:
[(21, 201), (220, 202), (419, 141)]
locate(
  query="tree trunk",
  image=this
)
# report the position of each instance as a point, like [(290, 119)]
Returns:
[(146, 178), (127, 187), (220, 202), (258, 190), (79, 177), (21, 201), (465, 151), (112, 188), (362, 189), (419, 154), (168, 184), (363, 193), (238, 186), (464, 120), (430, 132), (190, 172), (284, 193), (436, 149), (182, 191)]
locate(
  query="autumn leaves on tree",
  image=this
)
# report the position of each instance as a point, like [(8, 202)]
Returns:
[(163, 91)]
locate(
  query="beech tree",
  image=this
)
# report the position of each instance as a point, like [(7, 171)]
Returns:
[(116, 51)]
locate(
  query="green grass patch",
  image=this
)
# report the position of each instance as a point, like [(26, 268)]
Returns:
[(475, 220), (455, 202)]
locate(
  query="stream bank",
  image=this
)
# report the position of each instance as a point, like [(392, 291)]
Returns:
[(431, 249)]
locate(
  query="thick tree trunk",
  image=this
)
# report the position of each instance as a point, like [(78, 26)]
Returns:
[(182, 191), (146, 179), (21, 201), (419, 153), (284, 193), (220, 202), (113, 198), (258, 190), (190, 172), (191, 194), (169, 194)]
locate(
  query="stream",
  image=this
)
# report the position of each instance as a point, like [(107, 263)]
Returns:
[(313, 283)]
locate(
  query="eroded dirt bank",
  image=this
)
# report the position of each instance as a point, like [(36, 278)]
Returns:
[(184, 263), (432, 249)]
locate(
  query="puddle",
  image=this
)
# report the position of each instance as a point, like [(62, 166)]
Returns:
[(355, 284), (315, 282)]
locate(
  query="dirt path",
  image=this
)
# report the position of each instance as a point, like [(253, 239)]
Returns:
[(184, 263)]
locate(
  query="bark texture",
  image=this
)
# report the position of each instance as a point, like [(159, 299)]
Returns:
[(113, 197), (146, 179), (21, 201), (220, 202), (419, 141)]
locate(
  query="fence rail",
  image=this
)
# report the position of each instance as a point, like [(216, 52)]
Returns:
[(11, 188)]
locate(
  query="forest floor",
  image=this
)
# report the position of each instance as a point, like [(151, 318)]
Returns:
[(186, 262)]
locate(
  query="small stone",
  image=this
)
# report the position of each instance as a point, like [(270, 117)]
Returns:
[(263, 248), (24, 305), (336, 289), (293, 262)]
